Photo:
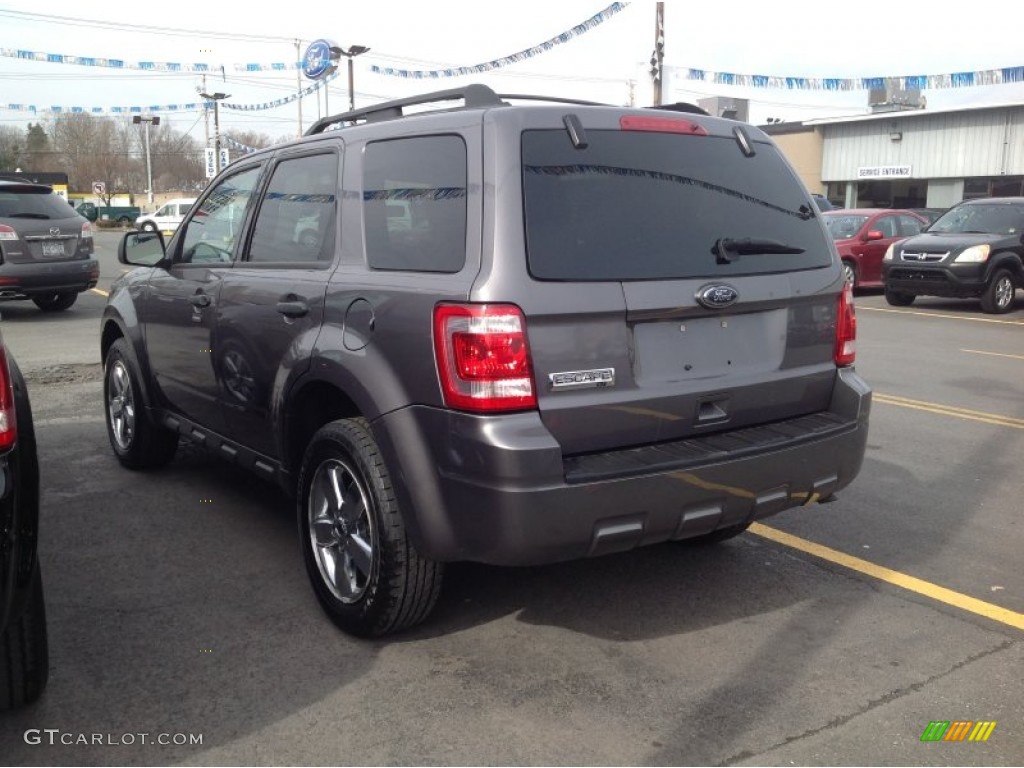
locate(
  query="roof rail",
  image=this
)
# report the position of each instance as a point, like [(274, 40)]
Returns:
[(475, 95), (555, 99)]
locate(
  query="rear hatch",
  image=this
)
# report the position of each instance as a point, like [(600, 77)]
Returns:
[(699, 287), (37, 225)]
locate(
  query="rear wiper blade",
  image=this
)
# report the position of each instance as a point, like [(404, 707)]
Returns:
[(726, 249)]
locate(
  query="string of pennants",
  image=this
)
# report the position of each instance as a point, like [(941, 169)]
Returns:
[(504, 61), (966, 79)]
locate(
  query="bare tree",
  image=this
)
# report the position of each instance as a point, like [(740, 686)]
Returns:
[(12, 148)]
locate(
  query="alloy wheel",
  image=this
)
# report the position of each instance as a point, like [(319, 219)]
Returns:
[(341, 530), (121, 405)]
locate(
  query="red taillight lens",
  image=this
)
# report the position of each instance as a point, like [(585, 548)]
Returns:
[(846, 329), (7, 233), (8, 424), (483, 358), (87, 230)]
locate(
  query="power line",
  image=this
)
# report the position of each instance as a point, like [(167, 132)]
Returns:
[(119, 25)]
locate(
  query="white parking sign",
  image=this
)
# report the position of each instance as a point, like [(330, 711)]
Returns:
[(99, 188)]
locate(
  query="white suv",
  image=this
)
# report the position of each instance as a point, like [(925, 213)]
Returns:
[(167, 217)]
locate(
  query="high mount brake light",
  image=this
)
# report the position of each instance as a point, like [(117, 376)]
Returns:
[(483, 358), (661, 125)]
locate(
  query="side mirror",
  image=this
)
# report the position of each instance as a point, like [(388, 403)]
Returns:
[(142, 249), (874, 234)]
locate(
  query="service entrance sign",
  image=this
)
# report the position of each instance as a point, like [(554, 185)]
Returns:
[(885, 172)]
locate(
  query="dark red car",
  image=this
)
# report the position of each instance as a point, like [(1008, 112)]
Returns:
[(862, 235)]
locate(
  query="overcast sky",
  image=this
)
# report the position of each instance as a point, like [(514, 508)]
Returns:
[(803, 39)]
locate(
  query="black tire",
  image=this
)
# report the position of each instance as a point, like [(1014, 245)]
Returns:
[(850, 273), (55, 302), (148, 226), (899, 299), (394, 587), (136, 441), (998, 296), (717, 537), (24, 651), (123, 221)]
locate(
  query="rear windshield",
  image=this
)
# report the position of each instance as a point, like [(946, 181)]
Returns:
[(646, 206), (990, 218), (33, 203)]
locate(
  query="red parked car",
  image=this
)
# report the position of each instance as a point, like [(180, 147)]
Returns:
[(862, 235)]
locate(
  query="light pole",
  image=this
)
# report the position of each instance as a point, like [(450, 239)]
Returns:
[(136, 119), (215, 98), (351, 53)]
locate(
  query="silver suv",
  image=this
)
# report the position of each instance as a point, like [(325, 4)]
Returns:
[(521, 334)]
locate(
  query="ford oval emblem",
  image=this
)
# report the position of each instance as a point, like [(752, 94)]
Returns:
[(717, 296)]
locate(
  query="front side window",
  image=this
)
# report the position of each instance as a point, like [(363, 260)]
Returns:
[(213, 231), (640, 205), (414, 204), (297, 216)]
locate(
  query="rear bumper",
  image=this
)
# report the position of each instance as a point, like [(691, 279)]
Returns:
[(19, 281), (498, 490)]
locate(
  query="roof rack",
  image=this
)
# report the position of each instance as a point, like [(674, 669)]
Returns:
[(474, 96)]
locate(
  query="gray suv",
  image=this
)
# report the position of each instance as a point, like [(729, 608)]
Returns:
[(505, 333), (46, 248)]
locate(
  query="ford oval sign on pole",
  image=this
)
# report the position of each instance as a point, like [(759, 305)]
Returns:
[(319, 59)]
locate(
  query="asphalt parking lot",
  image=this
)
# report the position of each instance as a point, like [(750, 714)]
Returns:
[(179, 611)]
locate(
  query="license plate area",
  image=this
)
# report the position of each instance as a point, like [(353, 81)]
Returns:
[(52, 249), (709, 347)]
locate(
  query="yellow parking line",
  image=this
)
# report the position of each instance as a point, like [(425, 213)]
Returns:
[(902, 580), (994, 354), (949, 410), (939, 314), (100, 291)]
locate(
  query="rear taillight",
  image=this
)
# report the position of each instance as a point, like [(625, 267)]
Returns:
[(483, 358), (846, 329), (8, 424), (87, 231), (661, 125), (7, 233)]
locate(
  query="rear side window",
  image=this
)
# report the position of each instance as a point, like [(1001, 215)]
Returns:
[(414, 204), (296, 219), (645, 206)]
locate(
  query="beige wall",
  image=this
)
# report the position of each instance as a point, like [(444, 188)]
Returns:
[(804, 152)]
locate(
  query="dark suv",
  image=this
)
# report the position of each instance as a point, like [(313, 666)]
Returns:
[(46, 249), (974, 250), (512, 334)]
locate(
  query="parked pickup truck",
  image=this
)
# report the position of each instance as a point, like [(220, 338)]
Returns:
[(122, 214)]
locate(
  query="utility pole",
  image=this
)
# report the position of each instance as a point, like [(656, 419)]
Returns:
[(206, 119), (658, 57), (298, 82), (216, 98), (136, 119)]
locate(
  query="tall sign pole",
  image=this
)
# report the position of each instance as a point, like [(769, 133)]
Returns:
[(658, 57)]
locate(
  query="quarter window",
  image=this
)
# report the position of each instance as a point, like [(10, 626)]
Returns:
[(414, 204)]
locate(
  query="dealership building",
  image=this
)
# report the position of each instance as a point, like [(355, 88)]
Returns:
[(908, 156)]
